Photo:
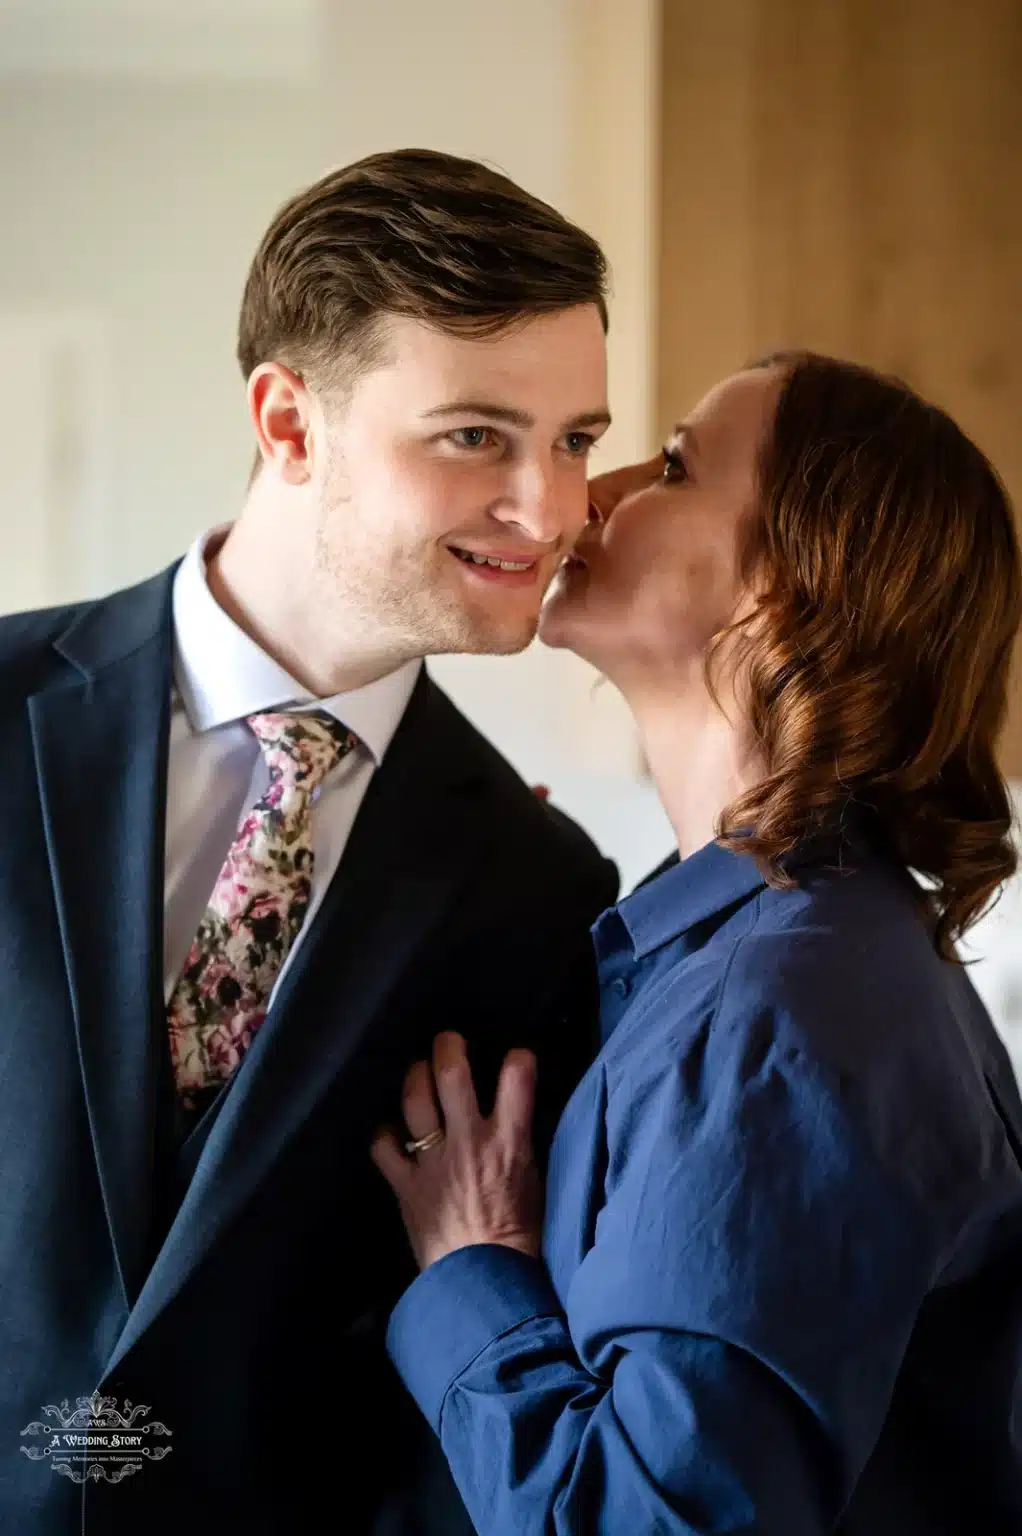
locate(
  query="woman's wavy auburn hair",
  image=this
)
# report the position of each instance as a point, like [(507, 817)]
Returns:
[(887, 563)]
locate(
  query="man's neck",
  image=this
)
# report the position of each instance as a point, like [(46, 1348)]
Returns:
[(260, 592), (700, 758)]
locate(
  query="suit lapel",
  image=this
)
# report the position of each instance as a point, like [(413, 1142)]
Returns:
[(414, 843), (101, 748)]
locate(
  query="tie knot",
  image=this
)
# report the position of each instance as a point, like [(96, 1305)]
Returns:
[(300, 750)]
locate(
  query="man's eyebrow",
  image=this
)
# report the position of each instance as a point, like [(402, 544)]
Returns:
[(487, 408), (588, 419), (508, 416)]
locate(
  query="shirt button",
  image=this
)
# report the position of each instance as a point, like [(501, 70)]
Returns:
[(621, 985)]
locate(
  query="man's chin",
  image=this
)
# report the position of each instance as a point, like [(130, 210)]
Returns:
[(488, 638), (507, 641)]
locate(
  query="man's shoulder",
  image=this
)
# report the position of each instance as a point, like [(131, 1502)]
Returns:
[(32, 642), (28, 658)]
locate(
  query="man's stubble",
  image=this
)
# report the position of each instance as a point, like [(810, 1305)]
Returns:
[(402, 594)]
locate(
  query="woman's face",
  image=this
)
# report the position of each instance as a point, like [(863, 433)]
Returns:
[(656, 573)]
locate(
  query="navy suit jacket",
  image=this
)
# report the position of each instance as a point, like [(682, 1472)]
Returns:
[(237, 1286)]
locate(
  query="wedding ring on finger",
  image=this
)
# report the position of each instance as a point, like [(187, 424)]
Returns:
[(424, 1143)]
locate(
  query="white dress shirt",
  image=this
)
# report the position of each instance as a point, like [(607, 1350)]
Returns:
[(216, 768)]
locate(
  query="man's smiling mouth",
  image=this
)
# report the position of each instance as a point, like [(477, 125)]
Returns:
[(494, 562)]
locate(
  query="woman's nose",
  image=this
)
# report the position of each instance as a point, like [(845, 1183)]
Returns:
[(605, 491)]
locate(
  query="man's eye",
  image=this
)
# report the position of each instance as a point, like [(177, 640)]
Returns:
[(473, 437), (674, 466), (579, 443)]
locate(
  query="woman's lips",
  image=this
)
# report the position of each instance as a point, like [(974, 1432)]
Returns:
[(574, 564)]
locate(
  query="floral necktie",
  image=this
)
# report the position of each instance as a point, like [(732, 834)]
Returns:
[(257, 907)]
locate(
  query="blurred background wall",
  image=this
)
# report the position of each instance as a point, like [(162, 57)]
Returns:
[(846, 175), (838, 173)]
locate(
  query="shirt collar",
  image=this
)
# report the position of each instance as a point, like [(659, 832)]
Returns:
[(706, 883), (222, 675), (687, 893)]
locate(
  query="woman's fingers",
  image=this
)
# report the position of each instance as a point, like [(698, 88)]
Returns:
[(479, 1183), (386, 1153), (454, 1085), (418, 1101), (516, 1095)]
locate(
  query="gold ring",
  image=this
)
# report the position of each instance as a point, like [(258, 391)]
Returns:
[(425, 1142)]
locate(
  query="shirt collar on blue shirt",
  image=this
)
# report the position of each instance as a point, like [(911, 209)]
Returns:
[(222, 675), (707, 882), (683, 895)]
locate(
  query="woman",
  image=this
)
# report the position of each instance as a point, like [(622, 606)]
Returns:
[(779, 1287)]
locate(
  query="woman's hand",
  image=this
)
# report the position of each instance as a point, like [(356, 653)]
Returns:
[(478, 1182)]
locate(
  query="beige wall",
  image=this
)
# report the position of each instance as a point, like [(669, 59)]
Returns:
[(848, 176), (136, 204)]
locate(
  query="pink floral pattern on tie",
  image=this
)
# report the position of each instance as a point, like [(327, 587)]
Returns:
[(258, 905)]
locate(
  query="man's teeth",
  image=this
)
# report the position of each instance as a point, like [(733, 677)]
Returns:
[(503, 565)]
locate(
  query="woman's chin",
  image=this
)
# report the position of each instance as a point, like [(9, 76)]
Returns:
[(569, 619), (558, 619)]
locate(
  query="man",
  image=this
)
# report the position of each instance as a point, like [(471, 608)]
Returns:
[(254, 860)]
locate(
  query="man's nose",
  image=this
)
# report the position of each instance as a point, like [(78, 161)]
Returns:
[(545, 509)]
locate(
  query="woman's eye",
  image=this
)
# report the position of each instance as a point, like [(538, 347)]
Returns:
[(674, 466), (473, 437)]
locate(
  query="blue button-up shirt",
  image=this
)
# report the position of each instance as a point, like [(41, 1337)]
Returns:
[(781, 1289)]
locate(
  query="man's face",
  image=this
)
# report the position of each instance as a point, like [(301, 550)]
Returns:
[(453, 451)]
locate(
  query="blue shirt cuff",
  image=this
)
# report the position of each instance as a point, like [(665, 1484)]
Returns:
[(457, 1307)]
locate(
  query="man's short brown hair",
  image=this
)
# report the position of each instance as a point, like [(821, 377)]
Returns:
[(413, 233)]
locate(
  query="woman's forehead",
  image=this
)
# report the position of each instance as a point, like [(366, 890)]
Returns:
[(732, 418)]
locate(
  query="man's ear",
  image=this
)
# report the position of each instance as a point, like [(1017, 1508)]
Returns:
[(279, 404)]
